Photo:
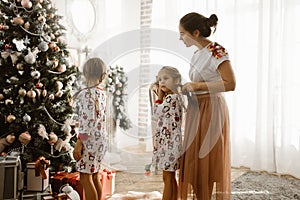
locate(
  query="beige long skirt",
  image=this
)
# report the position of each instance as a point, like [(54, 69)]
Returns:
[(205, 161)]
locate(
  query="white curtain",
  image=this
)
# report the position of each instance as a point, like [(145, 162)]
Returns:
[(262, 37)]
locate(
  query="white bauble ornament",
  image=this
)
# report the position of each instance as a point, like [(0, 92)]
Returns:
[(8, 101), (35, 74)]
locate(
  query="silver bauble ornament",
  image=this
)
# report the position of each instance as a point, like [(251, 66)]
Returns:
[(43, 46), (30, 58), (26, 118)]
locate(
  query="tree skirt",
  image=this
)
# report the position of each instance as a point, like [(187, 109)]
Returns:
[(254, 185)]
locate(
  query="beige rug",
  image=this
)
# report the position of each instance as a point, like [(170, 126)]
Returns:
[(132, 195)]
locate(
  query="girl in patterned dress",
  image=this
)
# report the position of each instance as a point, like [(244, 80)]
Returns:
[(167, 134), (91, 144)]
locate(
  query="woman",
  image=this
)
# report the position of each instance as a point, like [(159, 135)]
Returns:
[(206, 151)]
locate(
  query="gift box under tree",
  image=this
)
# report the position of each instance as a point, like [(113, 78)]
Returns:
[(11, 177), (38, 175), (107, 182)]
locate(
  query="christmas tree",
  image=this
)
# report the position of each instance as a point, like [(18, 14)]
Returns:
[(36, 83)]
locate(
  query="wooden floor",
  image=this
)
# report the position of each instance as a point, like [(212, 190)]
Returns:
[(131, 177)]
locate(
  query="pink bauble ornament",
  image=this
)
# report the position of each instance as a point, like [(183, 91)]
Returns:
[(59, 85), (61, 68), (26, 4), (25, 138)]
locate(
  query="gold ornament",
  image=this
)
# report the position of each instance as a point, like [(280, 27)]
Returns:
[(10, 118), (20, 66), (22, 92), (1, 96), (18, 21), (31, 94)]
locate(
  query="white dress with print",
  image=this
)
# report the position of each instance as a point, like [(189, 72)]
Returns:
[(167, 142), (92, 130)]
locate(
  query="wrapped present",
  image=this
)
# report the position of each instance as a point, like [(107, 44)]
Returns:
[(38, 175), (107, 182), (57, 181), (11, 177), (73, 179)]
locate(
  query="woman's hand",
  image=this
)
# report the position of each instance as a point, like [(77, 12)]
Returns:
[(77, 152), (190, 87)]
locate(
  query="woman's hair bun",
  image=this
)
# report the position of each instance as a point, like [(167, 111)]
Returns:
[(213, 20)]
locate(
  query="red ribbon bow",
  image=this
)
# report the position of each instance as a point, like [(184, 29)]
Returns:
[(39, 167)]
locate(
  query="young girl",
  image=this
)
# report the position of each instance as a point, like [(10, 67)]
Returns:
[(167, 134), (92, 141)]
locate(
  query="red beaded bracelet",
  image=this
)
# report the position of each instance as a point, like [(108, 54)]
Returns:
[(158, 101)]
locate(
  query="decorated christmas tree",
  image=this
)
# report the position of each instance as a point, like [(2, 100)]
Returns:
[(36, 83)]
